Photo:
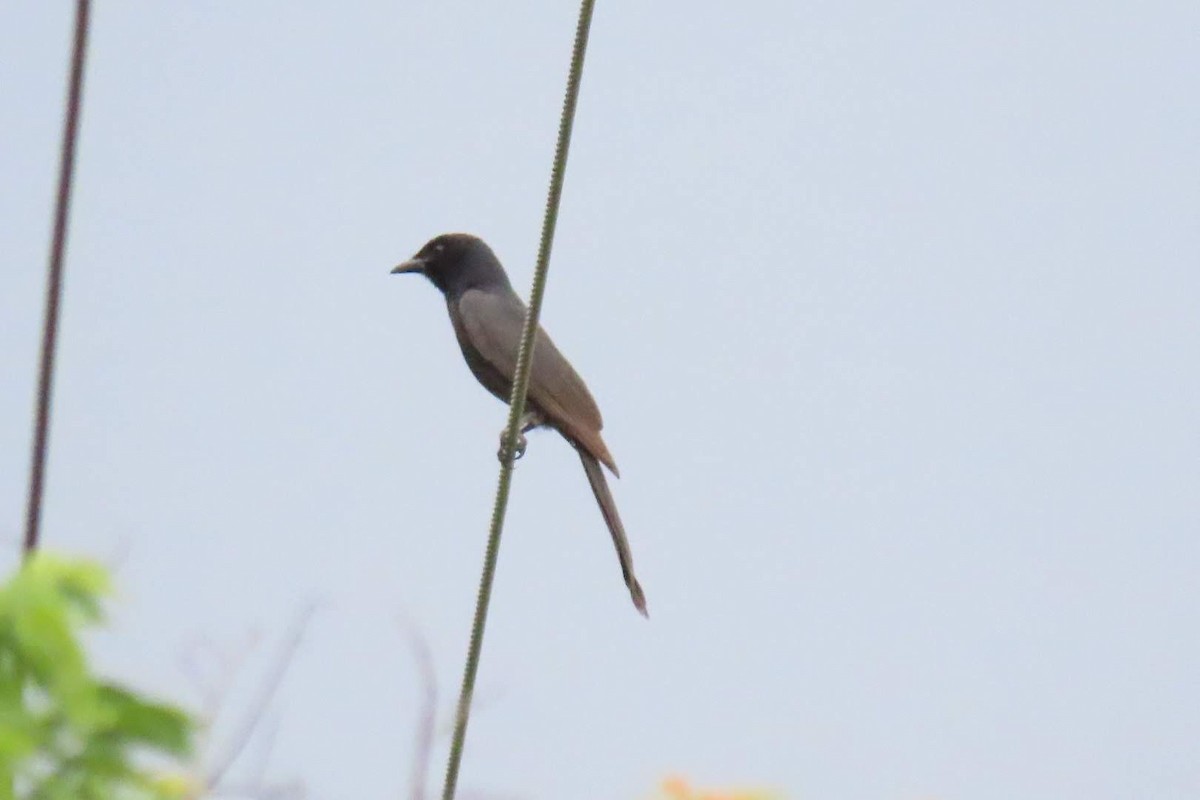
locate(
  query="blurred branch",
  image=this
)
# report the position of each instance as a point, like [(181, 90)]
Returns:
[(215, 684), (261, 701), (287, 791), (427, 718), (266, 747)]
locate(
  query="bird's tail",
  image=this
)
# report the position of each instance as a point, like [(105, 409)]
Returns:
[(609, 509)]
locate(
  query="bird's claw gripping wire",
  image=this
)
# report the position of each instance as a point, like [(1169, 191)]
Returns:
[(520, 449)]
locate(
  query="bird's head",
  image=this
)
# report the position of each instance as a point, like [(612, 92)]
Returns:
[(455, 262)]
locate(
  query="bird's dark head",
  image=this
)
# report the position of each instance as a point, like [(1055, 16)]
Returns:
[(455, 262)]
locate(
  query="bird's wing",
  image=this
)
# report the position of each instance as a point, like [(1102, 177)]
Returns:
[(492, 323)]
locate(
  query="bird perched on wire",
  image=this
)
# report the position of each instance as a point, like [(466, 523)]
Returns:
[(488, 317)]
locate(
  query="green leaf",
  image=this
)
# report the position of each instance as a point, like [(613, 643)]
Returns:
[(148, 723), (63, 733)]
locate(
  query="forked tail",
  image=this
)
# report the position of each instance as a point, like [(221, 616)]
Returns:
[(609, 509)]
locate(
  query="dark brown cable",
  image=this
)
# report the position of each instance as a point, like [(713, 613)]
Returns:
[(54, 281)]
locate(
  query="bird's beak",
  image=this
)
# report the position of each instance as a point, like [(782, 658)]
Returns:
[(412, 265)]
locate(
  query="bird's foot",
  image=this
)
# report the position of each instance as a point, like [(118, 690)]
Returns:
[(520, 451)]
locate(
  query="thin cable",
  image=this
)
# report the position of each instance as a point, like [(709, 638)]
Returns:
[(517, 401), (54, 281)]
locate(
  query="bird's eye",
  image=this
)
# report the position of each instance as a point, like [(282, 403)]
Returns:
[(439, 247)]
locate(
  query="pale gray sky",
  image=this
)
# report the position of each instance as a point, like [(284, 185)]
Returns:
[(892, 311)]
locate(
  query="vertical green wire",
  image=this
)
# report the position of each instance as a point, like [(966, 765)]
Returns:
[(517, 401)]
